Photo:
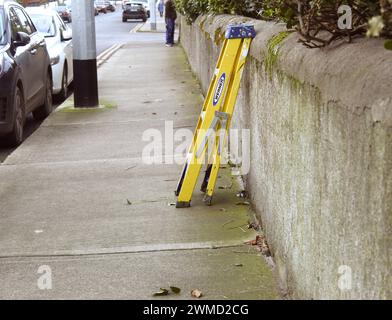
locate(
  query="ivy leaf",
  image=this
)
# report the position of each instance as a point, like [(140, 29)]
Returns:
[(388, 45)]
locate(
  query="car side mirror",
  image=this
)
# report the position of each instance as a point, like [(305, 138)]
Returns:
[(66, 35), (22, 39)]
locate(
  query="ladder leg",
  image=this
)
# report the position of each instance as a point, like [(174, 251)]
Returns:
[(191, 175), (179, 186), (206, 178), (213, 176)]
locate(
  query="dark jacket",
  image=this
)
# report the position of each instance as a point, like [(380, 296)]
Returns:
[(170, 10)]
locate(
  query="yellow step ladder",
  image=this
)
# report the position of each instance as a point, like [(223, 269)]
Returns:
[(214, 122)]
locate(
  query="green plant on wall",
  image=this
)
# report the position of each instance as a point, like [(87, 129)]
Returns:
[(315, 20)]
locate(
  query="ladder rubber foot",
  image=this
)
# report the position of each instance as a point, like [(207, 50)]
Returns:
[(207, 200), (183, 204)]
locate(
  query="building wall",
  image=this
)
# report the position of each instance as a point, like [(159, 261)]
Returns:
[(321, 155)]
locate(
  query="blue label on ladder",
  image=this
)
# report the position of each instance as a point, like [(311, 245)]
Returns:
[(219, 89)]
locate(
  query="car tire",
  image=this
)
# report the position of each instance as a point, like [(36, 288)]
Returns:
[(46, 109), (15, 137), (144, 20), (63, 95), (125, 20)]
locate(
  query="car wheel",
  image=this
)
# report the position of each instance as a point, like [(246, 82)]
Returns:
[(15, 138), (63, 95), (43, 111), (125, 20)]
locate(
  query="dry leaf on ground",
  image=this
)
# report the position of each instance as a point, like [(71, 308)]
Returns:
[(175, 289), (162, 292), (196, 293)]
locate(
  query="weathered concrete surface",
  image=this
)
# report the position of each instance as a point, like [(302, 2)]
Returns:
[(64, 198), (321, 154), (138, 275)]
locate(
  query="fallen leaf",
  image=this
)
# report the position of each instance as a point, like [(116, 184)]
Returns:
[(196, 293), (239, 265), (163, 292), (253, 242), (129, 202), (254, 225), (175, 290), (243, 203)]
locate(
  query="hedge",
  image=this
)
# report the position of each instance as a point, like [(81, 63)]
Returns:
[(316, 21)]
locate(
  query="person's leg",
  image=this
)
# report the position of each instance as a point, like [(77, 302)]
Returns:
[(171, 31), (167, 31)]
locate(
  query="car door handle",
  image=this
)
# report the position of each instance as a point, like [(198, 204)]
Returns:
[(33, 51)]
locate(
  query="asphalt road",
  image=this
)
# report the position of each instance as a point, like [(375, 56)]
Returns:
[(110, 30)]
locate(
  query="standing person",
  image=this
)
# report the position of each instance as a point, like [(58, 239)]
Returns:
[(170, 18), (161, 7)]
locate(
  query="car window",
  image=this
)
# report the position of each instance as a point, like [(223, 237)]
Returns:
[(60, 23), (24, 23), (16, 25), (2, 28), (44, 24)]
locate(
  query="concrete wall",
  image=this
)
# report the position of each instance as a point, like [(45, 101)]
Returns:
[(321, 155)]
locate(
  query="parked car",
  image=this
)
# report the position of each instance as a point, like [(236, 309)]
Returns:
[(101, 6), (65, 13), (25, 72), (58, 37), (110, 6), (144, 3), (134, 11)]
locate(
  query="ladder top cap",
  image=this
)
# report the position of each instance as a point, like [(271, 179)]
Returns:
[(240, 31)]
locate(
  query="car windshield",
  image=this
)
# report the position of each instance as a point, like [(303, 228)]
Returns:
[(2, 28), (44, 24), (61, 8)]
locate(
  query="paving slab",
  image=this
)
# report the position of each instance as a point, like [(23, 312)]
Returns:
[(219, 273)]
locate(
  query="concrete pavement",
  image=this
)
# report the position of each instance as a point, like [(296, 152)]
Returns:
[(77, 198)]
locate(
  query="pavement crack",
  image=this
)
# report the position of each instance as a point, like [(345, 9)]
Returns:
[(129, 250)]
